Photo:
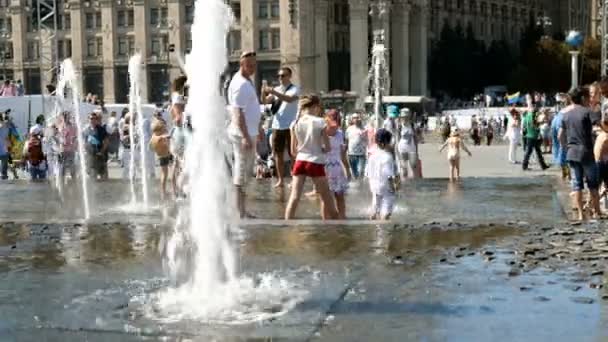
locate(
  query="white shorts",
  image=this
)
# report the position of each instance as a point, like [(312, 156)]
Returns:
[(244, 161), (383, 205)]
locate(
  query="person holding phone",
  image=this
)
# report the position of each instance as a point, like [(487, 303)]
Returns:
[(284, 107)]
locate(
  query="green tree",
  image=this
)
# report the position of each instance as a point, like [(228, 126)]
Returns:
[(591, 60)]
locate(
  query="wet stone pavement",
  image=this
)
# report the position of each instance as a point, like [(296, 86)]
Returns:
[(486, 259)]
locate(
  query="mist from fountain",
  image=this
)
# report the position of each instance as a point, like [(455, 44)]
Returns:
[(68, 79)]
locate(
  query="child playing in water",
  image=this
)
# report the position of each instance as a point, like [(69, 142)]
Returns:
[(160, 145), (454, 143), (383, 180), (179, 137), (336, 165), (34, 155)]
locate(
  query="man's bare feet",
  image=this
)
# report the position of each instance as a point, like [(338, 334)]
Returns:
[(374, 217), (581, 215)]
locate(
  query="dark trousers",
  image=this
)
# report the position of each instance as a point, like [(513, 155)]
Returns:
[(533, 145), (4, 166)]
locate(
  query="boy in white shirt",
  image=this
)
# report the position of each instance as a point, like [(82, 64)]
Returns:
[(383, 181)]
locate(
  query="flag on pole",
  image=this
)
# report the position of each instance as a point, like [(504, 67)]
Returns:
[(513, 98)]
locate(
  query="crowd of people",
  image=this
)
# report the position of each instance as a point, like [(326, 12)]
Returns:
[(574, 131), (302, 139), (11, 88), (50, 147)]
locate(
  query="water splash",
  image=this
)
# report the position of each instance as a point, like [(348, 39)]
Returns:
[(199, 256), (68, 79), (135, 70)]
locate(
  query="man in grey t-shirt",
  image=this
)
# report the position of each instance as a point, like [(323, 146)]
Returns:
[(576, 133)]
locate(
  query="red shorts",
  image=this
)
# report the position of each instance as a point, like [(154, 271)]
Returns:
[(304, 168)]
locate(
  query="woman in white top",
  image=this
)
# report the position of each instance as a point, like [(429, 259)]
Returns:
[(310, 143), (406, 146), (514, 135)]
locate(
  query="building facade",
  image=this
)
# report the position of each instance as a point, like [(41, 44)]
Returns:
[(596, 18), (327, 43)]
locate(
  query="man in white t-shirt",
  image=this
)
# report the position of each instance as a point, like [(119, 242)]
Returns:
[(284, 101), (356, 138), (245, 127)]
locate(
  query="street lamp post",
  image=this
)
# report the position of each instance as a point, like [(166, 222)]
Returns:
[(4, 53), (574, 40)]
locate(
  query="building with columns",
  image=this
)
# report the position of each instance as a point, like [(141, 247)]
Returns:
[(596, 18), (327, 43)]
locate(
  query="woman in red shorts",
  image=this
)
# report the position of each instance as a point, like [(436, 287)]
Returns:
[(310, 143)]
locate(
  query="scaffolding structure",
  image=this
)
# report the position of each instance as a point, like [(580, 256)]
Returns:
[(46, 17)]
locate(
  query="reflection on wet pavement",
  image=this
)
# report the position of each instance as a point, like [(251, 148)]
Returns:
[(447, 269), (472, 200)]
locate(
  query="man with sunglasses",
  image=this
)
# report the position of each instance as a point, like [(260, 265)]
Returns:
[(245, 128), (284, 101)]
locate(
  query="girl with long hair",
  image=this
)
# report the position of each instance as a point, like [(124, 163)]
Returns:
[(310, 144)]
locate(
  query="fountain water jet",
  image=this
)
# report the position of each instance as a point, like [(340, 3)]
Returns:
[(199, 256), (135, 69), (68, 78)]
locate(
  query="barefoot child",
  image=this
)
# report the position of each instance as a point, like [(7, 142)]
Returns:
[(179, 135), (34, 155), (454, 143), (383, 180), (160, 145), (336, 165)]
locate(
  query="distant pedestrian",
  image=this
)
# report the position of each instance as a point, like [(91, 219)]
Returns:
[(5, 147), (20, 88), (533, 140), (356, 139), (454, 144), (114, 135), (8, 89), (513, 134)]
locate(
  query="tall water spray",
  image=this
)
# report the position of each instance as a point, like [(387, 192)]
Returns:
[(199, 256), (68, 79), (135, 70), (210, 204)]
